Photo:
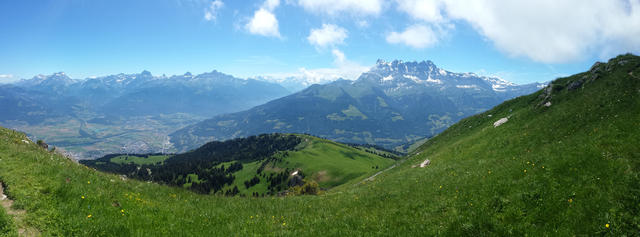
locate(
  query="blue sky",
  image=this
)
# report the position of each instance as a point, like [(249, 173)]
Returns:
[(521, 42)]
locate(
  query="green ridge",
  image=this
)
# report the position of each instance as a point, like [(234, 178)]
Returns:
[(325, 162)]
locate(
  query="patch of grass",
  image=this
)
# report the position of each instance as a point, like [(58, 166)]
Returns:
[(353, 111), (190, 180), (139, 160), (7, 227), (338, 163), (248, 171)]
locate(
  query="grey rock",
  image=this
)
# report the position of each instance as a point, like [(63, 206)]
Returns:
[(548, 90), (609, 67), (425, 163), (500, 122), (546, 93), (595, 68), (574, 85), (296, 180), (43, 144)]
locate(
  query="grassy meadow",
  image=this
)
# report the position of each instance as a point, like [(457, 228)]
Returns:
[(150, 160)]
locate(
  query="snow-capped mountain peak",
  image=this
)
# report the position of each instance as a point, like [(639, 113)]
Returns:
[(397, 76)]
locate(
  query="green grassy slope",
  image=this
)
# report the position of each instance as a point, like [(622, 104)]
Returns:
[(327, 163), (568, 169), (571, 168), (64, 198)]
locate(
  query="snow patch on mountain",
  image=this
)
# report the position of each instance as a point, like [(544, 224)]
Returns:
[(497, 84), (436, 81), (467, 86), (412, 77)]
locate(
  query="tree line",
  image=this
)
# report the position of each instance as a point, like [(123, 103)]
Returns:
[(205, 162)]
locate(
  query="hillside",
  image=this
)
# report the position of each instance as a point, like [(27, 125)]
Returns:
[(257, 165), (392, 104), (570, 168), (566, 162)]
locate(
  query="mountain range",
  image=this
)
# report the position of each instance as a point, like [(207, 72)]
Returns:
[(124, 112), (205, 94), (392, 104)]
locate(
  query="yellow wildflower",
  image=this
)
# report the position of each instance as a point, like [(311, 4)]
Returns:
[(525, 170), (88, 182), (570, 200), (122, 210), (606, 225), (89, 216), (82, 197)]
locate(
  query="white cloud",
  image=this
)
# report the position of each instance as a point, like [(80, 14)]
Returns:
[(556, 31), (271, 5), (362, 23), (343, 68), (338, 57), (547, 31), (416, 36), (7, 78), (324, 75), (334, 7), (328, 35), (427, 10), (211, 12), (263, 23)]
